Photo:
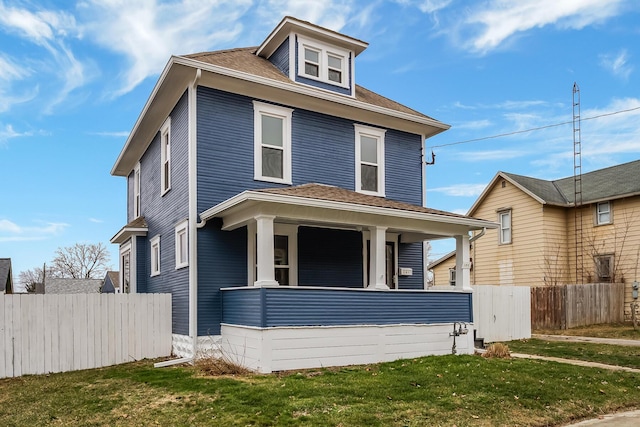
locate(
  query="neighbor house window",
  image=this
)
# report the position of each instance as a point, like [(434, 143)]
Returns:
[(165, 154), (136, 191), (452, 276), (155, 256), (322, 62), (604, 267), (182, 245), (504, 218), (603, 213), (369, 160), (272, 143)]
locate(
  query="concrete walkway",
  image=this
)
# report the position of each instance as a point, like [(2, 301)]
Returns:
[(622, 419), (568, 338)]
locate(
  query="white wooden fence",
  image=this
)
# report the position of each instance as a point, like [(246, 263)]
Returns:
[(57, 333), (502, 313)]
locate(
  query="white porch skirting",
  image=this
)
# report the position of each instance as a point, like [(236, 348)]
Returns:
[(272, 349), (182, 345)]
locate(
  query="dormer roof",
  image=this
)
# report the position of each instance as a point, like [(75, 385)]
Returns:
[(290, 25)]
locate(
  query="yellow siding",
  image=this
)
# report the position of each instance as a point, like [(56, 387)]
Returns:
[(516, 263), (441, 272)]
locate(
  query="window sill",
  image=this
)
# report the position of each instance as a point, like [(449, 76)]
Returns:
[(181, 266), (274, 180)]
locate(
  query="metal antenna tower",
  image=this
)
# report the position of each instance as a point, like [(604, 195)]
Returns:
[(577, 183)]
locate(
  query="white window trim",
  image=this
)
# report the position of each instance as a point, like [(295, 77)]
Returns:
[(260, 109), (610, 221), (500, 235), (324, 51), (289, 230), (378, 134), (181, 228), (126, 249), (137, 203), (165, 156), (155, 246)]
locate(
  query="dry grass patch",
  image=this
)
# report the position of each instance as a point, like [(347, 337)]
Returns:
[(497, 350)]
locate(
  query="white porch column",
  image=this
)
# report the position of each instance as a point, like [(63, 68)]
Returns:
[(377, 258), (463, 263), (264, 251)]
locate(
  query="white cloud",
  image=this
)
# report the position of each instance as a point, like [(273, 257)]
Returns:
[(96, 220), (148, 32), (47, 29), (617, 64), (500, 20), (460, 190), (12, 232), (473, 124), (426, 6)]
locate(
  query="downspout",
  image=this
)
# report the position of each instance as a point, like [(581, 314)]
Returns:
[(193, 226), (193, 213), (473, 239)]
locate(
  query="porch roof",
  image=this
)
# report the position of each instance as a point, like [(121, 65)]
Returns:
[(324, 205), (137, 227)]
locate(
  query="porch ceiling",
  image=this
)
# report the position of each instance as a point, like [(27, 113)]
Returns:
[(326, 206)]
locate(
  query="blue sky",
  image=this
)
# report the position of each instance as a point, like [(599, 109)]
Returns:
[(75, 75)]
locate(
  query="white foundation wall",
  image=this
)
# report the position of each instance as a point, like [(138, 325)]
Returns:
[(285, 348)]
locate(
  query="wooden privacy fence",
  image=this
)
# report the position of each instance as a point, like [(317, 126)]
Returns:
[(57, 333), (502, 313), (569, 306)]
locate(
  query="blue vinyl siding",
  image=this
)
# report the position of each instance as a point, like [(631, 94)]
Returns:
[(316, 307), (280, 58), (328, 257), (410, 255), (323, 151), (222, 263), (162, 213)]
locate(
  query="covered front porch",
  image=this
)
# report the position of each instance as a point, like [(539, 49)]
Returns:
[(294, 312)]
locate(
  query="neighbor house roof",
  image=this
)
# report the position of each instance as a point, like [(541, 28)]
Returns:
[(72, 286), (6, 281), (610, 183)]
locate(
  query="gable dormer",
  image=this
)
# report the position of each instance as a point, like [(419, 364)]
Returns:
[(313, 55)]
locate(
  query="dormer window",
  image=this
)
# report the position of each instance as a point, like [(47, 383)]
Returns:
[(319, 61)]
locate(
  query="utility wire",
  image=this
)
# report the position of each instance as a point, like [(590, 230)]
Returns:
[(532, 129)]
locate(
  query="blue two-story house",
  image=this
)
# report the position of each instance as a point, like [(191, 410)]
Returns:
[(281, 205)]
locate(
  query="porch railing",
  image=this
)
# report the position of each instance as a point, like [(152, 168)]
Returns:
[(312, 306)]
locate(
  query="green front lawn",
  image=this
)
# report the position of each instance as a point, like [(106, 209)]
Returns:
[(439, 390)]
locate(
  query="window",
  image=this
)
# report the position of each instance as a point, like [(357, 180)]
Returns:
[(322, 62), (136, 191), (504, 218), (182, 245), (604, 267), (603, 213), (369, 160), (281, 259), (285, 254), (155, 256), (452, 276), (165, 154), (272, 143)]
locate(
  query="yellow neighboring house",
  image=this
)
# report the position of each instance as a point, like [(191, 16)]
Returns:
[(537, 239)]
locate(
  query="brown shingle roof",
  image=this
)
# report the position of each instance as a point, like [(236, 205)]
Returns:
[(245, 60), (337, 194)]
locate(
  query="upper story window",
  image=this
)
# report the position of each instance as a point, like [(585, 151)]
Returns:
[(136, 191), (369, 148), (603, 213), (326, 63), (155, 256), (504, 218), (272, 143), (165, 154), (182, 245), (452, 276)]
